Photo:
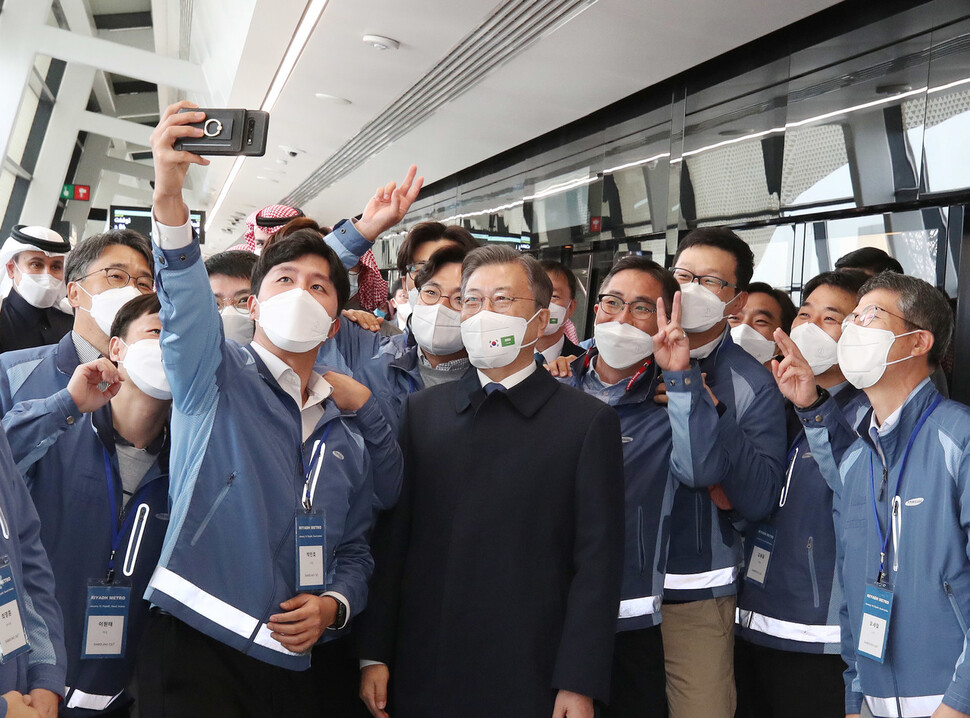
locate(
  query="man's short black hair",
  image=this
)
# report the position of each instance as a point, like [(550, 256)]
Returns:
[(869, 259), (551, 265), (788, 310), (300, 244), (723, 238), (392, 290), (848, 280), (639, 263), (445, 255), (132, 310), (236, 263), (424, 232), (88, 250)]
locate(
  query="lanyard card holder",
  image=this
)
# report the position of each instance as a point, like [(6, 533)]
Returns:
[(877, 607), (106, 619), (13, 635), (764, 544), (311, 551)]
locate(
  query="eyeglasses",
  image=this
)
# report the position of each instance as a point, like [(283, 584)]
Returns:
[(868, 314), (240, 303), (473, 304), (430, 295), (715, 284), (613, 305), (118, 278), (414, 268)]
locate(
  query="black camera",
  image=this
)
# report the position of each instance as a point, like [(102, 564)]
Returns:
[(227, 132)]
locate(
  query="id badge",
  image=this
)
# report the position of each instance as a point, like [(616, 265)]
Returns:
[(13, 635), (764, 544), (311, 551), (877, 607), (106, 620)]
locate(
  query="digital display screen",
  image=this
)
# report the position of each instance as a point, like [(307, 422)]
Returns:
[(139, 219)]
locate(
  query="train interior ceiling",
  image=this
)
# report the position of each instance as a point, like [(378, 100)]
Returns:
[(577, 130)]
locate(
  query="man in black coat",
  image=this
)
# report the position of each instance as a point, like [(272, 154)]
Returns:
[(32, 314), (497, 577)]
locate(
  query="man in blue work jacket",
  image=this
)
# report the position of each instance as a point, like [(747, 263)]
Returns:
[(788, 662), (741, 441), (902, 500), (261, 555), (101, 492), (103, 272)]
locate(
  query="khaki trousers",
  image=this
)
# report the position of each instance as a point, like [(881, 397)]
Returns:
[(699, 658)]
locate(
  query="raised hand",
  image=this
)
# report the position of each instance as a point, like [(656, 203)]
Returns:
[(84, 386), (793, 375), (671, 347), (171, 165), (389, 205)]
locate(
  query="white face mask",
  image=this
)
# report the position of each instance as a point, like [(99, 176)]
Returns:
[(622, 345), (413, 297), (700, 308), (863, 351), (557, 318), (494, 340), (752, 342), (237, 326), (105, 306), (354, 288), (143, 362), (40, 290), (819, 349), (403, 312), (257, 250), (436, 328), (294, 321)]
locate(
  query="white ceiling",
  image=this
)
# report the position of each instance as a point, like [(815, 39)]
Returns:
[(611, 50)]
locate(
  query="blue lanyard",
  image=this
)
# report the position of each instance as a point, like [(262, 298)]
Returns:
[(117, 532), (884, 537), (315, 458)]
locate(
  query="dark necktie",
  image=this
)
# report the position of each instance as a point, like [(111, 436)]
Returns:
[(493, 386)]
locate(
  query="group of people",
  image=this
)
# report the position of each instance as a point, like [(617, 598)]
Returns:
[(227, 488)]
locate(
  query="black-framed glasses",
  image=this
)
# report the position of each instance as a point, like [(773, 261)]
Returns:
[(118, 278), (865, 317), (239, 303), (715, 284), (430, 295), (613, 305), (472, 304)]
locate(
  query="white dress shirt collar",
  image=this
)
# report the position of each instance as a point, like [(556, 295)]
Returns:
[(512, 379)]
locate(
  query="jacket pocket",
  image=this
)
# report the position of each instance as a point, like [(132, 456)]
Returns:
[(641, 548), (956, 607), (212, 509), (810, 547)]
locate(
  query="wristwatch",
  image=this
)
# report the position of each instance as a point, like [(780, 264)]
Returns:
[(341, 617), (823, 396)]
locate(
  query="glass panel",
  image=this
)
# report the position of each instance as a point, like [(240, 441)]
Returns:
[(947, 111), (7, 179)]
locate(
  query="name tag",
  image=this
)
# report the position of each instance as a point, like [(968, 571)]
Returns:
[(311, 551), (106, 620), (764, 544), (13, 635), (877, 608)]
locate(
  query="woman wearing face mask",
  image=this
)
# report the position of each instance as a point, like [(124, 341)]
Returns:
[(753, 326), (787, 649), (32, 291)]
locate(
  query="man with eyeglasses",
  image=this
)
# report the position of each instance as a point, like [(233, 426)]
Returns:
[(229, 276), (423, 240), (787, 660), (103, 272), (902, 498), (497, 575), (32, 290), (622, 368), (725, 401)]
